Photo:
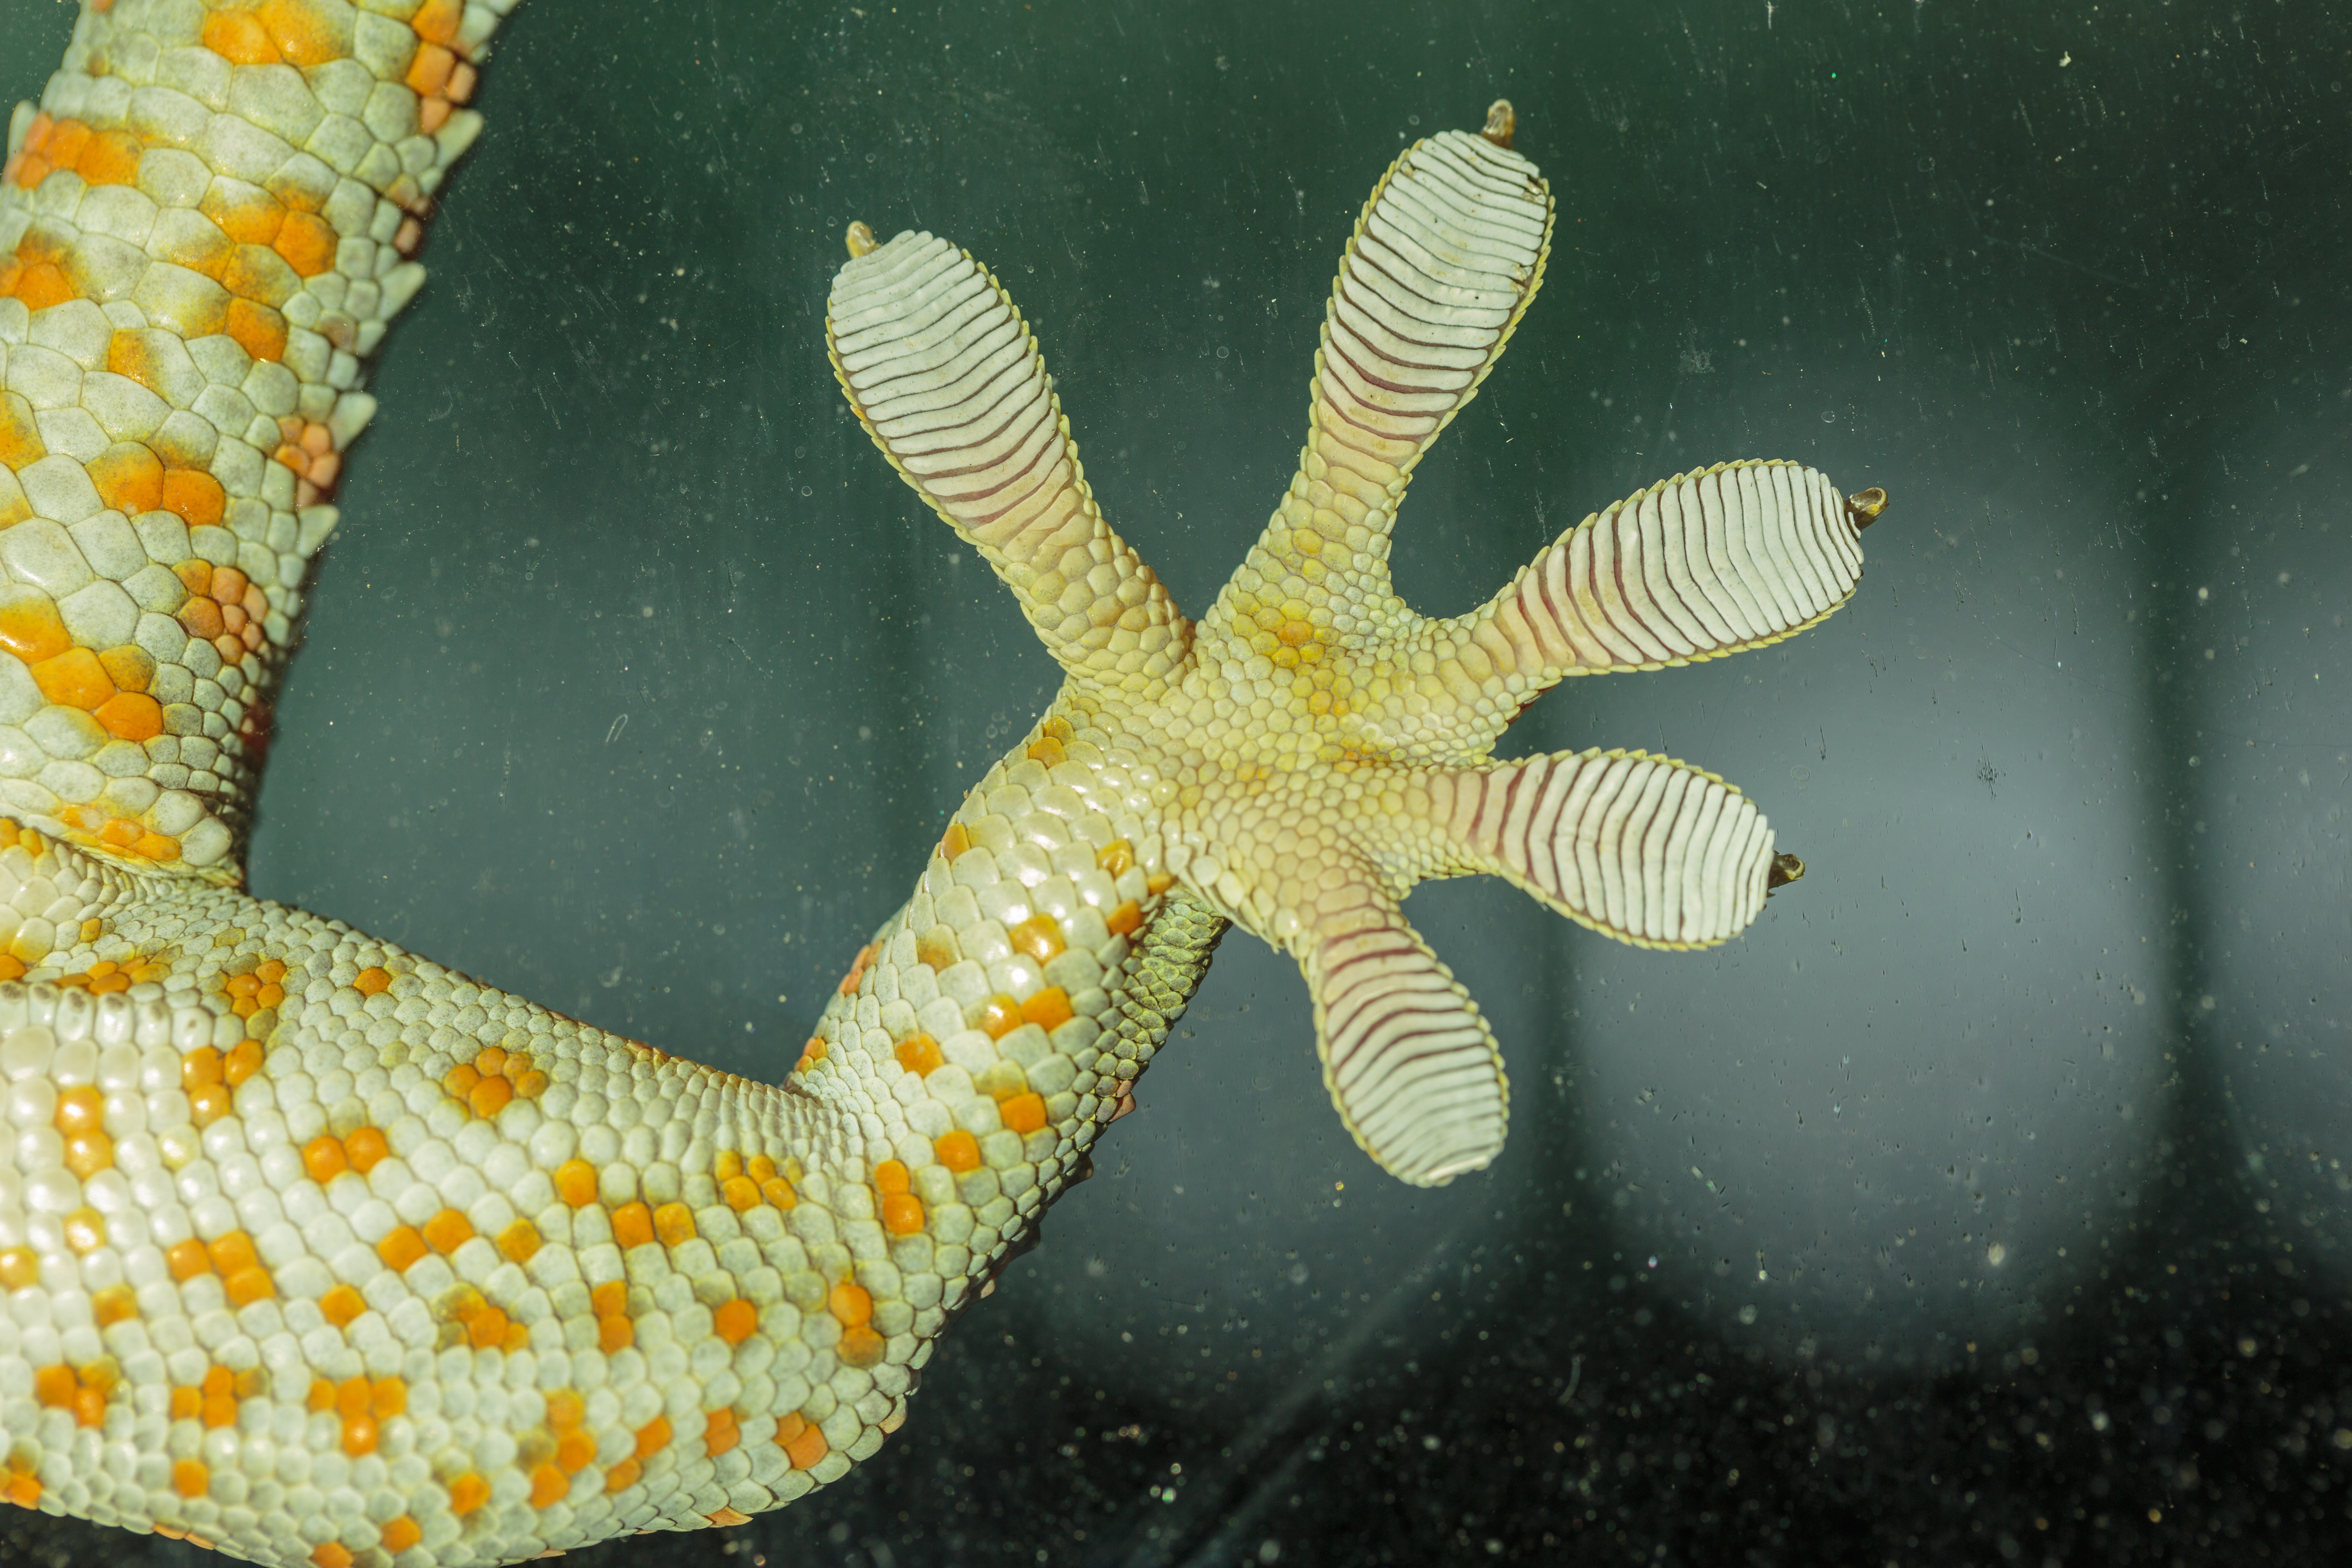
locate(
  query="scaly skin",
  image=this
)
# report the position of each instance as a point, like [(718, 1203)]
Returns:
[(318, 1252)]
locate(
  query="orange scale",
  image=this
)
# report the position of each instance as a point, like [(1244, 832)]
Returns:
[(54, 1387), (437, 20), (467, 1492), (20, 438), (1023, 1113), (1049, 1009), (574, 1450), (447, 1231), (803, 1443), (230, 646), (247, 1286), (633, 1225), (74, 678), (42, 284), (239, 37), (307, 243), (131, 716), (31, 628), (323, 1158), (401, 1247), (111, 158), (233, 617), (246, 215), (860, 1346), (131, 668), (129, 478), (194, 575), (850, 1303), (87, 1153), (202, 617), (365, 1147), (920, 1055), (429, 70), (208, 1104), (186, 1260), (519, 1241), (326, 470), (575, 1183), (735, 1320), (739, 1193), (29, 170), (434, 112), (304, 31), (259, 331), (66, 140), (241, 1062), (232, 1252), (1040, 937)]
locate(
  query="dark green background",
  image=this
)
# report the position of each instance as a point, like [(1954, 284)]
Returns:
[(1981, 1204)]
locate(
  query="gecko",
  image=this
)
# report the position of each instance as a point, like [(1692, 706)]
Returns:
[(318, 1252)]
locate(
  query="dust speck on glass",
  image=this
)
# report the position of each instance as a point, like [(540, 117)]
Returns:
[(1986, 1201)]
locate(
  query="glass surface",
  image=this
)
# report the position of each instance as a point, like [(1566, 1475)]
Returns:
[(1984, 1203)]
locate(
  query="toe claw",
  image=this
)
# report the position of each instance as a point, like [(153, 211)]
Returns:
[(1786, 869), (1864, 507)]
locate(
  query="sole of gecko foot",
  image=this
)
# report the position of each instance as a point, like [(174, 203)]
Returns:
[(318, 1252)]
